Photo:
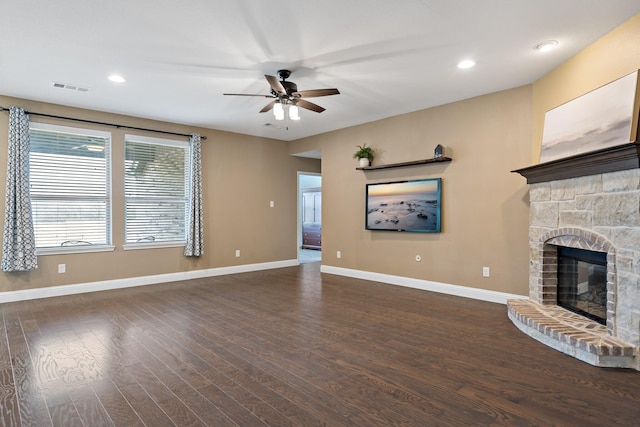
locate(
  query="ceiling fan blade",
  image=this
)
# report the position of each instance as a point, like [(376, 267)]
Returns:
[(268, 107), (312, 93), (248, 94), (309, 106), (275, 84)]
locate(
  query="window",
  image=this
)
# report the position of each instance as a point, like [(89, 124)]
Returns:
[(156, 191), (70, 187)]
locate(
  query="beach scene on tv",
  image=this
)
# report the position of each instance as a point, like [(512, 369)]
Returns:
[(404, 206)]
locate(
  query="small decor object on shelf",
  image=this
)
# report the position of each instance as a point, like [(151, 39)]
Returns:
[(364, 155), (438, 152)]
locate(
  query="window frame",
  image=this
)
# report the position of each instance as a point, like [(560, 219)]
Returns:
[(106, 247), (165, 142)]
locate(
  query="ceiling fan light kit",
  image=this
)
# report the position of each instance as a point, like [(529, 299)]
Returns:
[(293, 112), (278, 111), (286, 96)]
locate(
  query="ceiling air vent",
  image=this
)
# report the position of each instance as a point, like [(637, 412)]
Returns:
[(70, 87)]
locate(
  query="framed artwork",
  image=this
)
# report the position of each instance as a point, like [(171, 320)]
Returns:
[(602, 118), (412, 205)]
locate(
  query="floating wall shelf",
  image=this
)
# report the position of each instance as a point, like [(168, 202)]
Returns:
[(404, 164)]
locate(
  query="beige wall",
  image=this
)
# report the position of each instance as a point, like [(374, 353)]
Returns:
[(485, 206), (613, 56), (241, 175), (485, 210)]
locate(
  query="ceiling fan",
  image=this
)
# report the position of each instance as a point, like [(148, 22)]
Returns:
[(285, 93)]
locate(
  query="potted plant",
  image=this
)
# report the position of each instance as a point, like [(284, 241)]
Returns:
[(364, 155)]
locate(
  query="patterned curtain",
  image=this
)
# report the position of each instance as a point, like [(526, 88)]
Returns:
[(195, 237), (18, 243)]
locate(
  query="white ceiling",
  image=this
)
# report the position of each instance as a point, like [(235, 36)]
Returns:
[(385, 57)]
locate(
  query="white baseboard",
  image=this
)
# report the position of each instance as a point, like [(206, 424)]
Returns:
[(425, 285), (79, 288)]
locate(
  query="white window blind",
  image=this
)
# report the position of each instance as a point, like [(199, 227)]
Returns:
[(70, 186), (156, 190)]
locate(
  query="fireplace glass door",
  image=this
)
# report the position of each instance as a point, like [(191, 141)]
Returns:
[(582, 282)]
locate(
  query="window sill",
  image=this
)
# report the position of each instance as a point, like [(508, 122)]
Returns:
[(79, 249), (158, 245)]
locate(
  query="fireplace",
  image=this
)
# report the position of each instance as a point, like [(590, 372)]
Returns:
[(582, 282), (584, 238)]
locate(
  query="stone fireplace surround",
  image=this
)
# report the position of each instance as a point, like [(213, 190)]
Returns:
[(588, 202)]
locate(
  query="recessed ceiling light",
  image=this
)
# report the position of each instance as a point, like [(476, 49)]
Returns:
[(546, 45), (467, 63), (116, 78)]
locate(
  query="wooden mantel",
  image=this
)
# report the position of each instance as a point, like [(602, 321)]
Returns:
[(611, 159)]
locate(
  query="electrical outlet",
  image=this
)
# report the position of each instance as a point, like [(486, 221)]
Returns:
[(237, 253), (338, 254), (485, 272), (62, 268)]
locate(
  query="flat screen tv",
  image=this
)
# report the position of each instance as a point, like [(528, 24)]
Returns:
[(412, 205)]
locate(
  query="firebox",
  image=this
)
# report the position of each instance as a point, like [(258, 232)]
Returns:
[(582, 282)]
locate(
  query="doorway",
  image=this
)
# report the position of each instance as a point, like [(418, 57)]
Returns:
[(310, 217)]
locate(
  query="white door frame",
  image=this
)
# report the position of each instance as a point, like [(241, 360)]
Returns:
[(300, 206)]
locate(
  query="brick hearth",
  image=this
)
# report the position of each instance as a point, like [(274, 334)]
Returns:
[(571, 334)]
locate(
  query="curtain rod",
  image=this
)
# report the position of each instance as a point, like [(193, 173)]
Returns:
[(106, 124)]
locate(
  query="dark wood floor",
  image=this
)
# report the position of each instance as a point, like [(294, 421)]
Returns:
[(288, 347)]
